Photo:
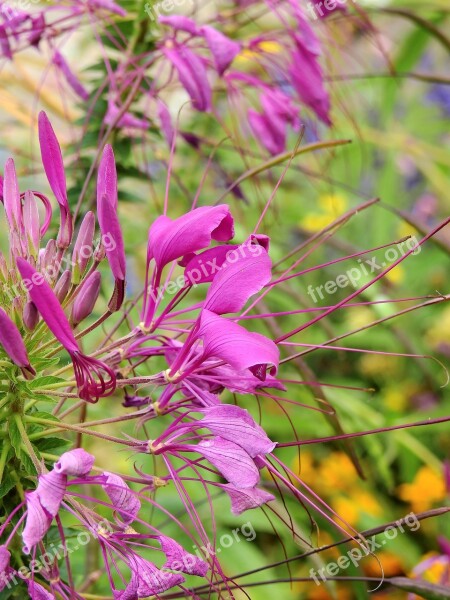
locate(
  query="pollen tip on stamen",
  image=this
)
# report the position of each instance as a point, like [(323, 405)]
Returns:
[(152, 447), (171, 378), (144, 328)]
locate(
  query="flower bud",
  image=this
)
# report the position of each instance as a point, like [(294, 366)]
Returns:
[(82, 251), (86, 298), (30, 316), (62, 286), (31, 223)]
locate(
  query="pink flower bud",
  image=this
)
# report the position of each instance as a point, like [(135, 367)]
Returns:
[(87, 297), (31, 223), (30, 316), (63, 285), (82, 250)]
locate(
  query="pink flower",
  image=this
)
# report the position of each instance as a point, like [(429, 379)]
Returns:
[(94, 378)]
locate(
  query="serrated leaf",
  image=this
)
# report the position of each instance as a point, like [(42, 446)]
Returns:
[(51, 443), (7, 485), (14, 436), (43, 382)]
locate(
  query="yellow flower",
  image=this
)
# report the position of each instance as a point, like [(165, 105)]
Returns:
[(337, 472), (304, 467), (440, 333), (391, 563), (426, 489), (332, 205)]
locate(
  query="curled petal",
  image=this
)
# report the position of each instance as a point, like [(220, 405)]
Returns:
[(242, 500), (203, 267), (238, 347), (245, 272), (150, 580), (95, 379), (169, 240), (51, 489), (124, 500), (180, 560), (237, 425), (77, 463), (231, 460), (37, 523)]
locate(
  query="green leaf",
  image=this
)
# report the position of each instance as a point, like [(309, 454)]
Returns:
[(14, 436), (7, 485), (51, 443), (43, 382)]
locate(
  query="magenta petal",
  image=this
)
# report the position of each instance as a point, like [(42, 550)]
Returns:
[(112, 237), (37, 592), (71, 78), (82, 248), (51, 489), (31, 223), (123, 499), (12, 342), (231, 460), (192, 74), (203, 267), (37, 523), (179, 22), (151, 580), (245, 272), (54, 169), (48, 305), (169, 240), (87, 297), (11, 197), (237, 425), (223, 50), (165, 121), (235, 345), (242, 500), (180, 560), (307, 79), (268, 130), (107, 177), (77, 463), (5, 556)]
